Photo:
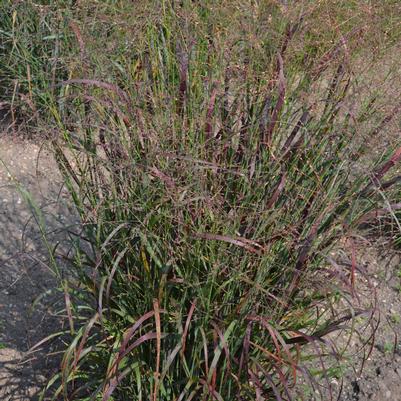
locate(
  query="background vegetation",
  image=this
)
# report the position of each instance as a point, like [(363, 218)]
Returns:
[(213, 151)]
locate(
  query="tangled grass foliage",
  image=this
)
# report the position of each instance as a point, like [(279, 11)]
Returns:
[(209, 150)]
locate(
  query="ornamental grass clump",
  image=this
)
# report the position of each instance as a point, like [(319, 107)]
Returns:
[(212, 163)]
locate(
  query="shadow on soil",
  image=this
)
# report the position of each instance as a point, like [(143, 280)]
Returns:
[(29, 299)]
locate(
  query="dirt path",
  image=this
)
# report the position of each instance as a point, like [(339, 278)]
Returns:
[(28, 302)]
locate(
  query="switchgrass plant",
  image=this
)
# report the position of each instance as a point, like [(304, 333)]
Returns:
[(213, 172)]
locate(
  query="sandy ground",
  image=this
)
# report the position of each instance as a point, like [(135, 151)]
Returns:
[(380, 379), (28, 300)]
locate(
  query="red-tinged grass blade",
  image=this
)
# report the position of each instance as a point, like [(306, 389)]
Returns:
[(193, 394), (243, 362), (220, 168), (100, 298), (218, 350), (132, 330), (277, 338), (304, 252), (205, 351), (111, 380), (141, 125), (100, 84), (278, 74), (186, 328), (263, 322), (277, 191), (116, 264), (290, 358), (64, 164), (183, 59), (65, 364), (88, 327), (371, 341), (251, 246), (369, 190), (109, 105), (324, 62), (265, 351), (280, 102), (270, 381), (387, 184), (209, 113), (336, 79), (353, 263), (395, 111), (213, 380), (257, 384), (265, 116), (283, 380), (224, 344), (116, 381), (145, 337), (376, 213), (45, 340), (170, 360), (158, 347), (186, 390), (300, 124), (289, 34), (303, 338), (261, 289), (67, 300), (324, 370), (168, 181), (78, 34), (126, 339), (394, 159), (210, 390)]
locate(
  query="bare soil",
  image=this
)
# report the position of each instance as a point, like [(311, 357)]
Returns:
[(380, 378), (29, 300)]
